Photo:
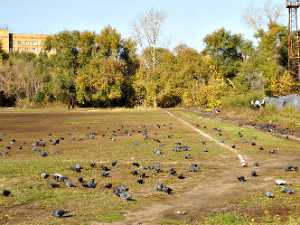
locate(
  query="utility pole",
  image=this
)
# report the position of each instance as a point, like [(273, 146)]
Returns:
[(293, 42)]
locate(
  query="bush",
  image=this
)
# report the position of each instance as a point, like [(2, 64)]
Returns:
[(240, 101)]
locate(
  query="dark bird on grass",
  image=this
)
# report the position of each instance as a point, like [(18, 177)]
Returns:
[(156, 140), (59, 213), (253, 173), (272, 151), (187, 156), (158, 152), (184, 148), (113, 163), (135, 143), (76, 169), (261, 147), (136, 164), (20, 147), (150, 167), (80, 179), (105, 168), (176, 149), (56, 151), (180, 176), (268, 194), (253, 143), (125, 196), (104, 174), (288, 168), (117, 191), (4, 153), (296, 168), (193, 168), (122, 187), (85, 185), (44, 175), (69, 183), (233, 146), (172, 172), (287, 190), (112, 139), (255, 164), (178, 143), (162, 145), (108, 185), (6, 192), (142, 175), (43, 153), (156, 169), (254, 137), (8, 147), (59, 177), (222, 141), (167, 189), (241, 178), (244, 141), (134, 172), (91, 182), (53, 185), (140, 181)]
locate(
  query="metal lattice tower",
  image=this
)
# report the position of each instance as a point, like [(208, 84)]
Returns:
[(293, 44)]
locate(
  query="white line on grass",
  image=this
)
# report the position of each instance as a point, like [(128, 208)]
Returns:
[(209, 137)]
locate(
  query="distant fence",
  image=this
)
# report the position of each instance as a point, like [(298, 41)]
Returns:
[(288, 100)]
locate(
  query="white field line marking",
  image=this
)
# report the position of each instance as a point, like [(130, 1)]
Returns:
[(209, 137)]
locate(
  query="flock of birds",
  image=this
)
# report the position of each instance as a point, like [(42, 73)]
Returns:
[(121, 190)]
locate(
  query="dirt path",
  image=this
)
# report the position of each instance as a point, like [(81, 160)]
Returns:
[(212, 194)]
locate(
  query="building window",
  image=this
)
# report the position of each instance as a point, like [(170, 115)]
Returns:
[(42, 50), (11, 42), (34, 43), (19, 49), (26, 43), (11, 49), (42, 43), (19, 42), (26, 49), (34, 49)]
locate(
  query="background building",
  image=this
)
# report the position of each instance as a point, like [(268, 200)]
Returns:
[(33, 43)]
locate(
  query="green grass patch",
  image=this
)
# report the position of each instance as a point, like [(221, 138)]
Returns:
[(110, 218)]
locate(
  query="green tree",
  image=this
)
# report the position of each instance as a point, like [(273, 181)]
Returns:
[(227, 50), (64, 64)]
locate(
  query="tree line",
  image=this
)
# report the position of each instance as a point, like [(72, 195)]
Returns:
[(105, 70)]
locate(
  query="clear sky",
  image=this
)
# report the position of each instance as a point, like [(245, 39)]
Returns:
[(187, 21)]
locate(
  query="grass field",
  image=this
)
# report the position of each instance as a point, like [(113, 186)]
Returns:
[(224, 201)]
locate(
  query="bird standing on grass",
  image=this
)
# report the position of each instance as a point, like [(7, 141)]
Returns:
[(268, 194), (59, 213)]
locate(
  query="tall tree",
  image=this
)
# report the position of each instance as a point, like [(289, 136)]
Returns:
[(64, 64), (146, 31), (226, 49)]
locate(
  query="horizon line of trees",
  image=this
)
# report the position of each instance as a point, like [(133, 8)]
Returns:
[(105, 70)]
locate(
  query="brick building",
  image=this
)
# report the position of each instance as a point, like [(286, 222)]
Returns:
[(22, 42)]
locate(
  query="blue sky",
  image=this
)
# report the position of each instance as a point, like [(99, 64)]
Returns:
[(187, 21)]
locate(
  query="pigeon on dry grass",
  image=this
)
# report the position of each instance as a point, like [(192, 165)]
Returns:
[(59, 213)]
